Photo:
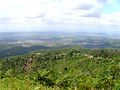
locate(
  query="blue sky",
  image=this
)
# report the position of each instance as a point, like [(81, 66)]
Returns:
[(70, 15), (111, 7)]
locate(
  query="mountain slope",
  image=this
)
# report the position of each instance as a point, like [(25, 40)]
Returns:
[(68, 68)]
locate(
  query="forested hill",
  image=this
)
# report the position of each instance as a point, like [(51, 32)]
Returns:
[(7, 50), (62, 69)]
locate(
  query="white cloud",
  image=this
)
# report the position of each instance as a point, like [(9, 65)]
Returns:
[(110, 19), (43, 12)]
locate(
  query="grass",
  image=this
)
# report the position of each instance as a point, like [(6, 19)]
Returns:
[(16, 84)]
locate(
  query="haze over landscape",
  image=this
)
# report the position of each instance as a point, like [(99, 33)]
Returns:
[(59, 44)]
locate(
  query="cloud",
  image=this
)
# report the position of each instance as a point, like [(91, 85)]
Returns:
[(68, 13), (50, 21), (104, 1), (84, 7), (5, 18), (36, 17), (92, 14), (45, 12), (112, 19), (40, 16)]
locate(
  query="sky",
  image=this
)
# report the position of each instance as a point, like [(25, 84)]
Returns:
[(60, 15)]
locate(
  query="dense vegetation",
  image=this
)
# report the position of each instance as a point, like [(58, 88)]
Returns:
[(62, 69)]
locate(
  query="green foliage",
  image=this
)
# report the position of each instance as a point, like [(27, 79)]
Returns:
[(3, 75), (105, 52), (17, 84), (45, 78), (67, 69)]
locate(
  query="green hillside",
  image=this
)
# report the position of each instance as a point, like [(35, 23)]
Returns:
[(7, 50), (62, 69)]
